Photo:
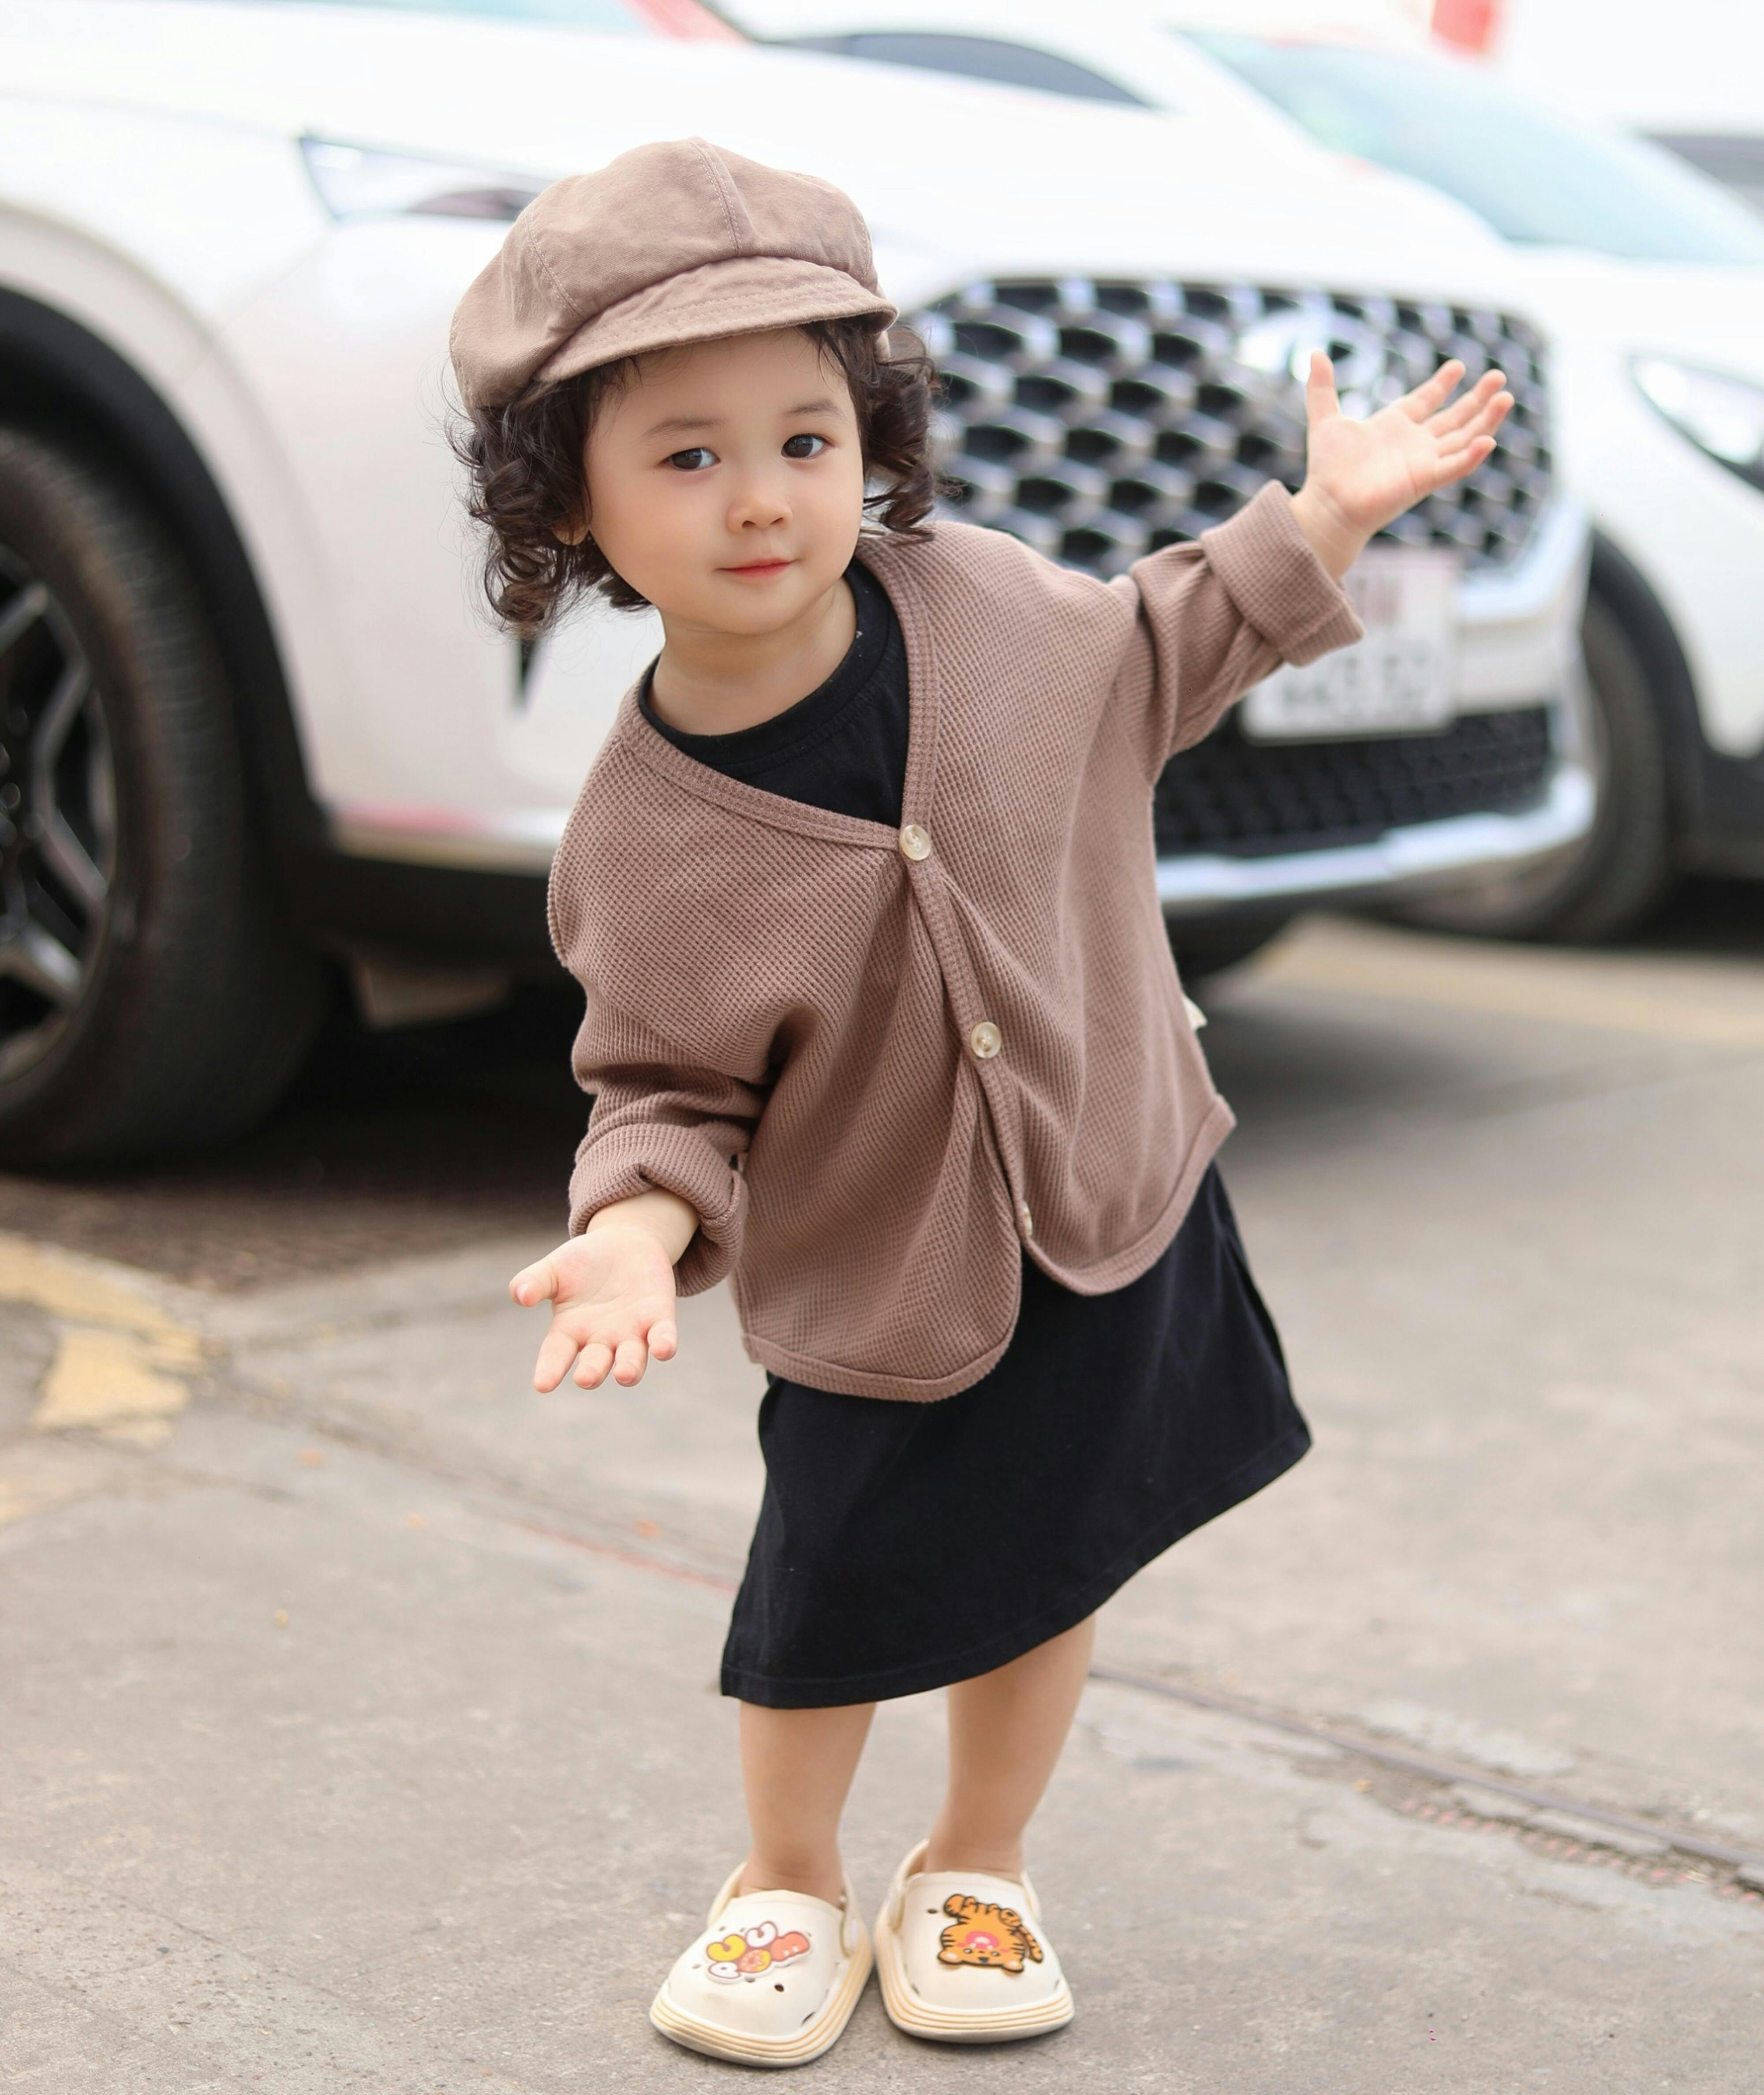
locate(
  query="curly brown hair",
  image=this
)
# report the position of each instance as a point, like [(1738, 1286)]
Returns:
[(524, 463)]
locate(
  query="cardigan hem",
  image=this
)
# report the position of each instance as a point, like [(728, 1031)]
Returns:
[(1119, 1269), (1249, 1477)]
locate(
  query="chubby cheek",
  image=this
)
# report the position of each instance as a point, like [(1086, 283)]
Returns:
[(829, 512), (661, 539)]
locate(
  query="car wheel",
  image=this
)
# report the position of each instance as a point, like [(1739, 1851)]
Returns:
[(148, 1000), (1606, 884)]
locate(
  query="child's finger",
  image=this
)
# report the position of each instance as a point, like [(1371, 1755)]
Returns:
[(1466, 410), (591, 1368), (557, 1353), (1453, 464), (534, 1283), (664, 1339), (629, 1362), (1479, 440), (1433, 393), (1482, 430), (1320, 403)]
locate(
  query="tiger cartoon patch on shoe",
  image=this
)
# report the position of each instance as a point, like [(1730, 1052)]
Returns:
[(982, 1933), (964, 1956)]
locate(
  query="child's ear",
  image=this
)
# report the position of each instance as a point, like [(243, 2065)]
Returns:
[(571, 533)]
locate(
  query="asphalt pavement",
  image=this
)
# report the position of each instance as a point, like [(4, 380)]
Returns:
[(359, 1704)]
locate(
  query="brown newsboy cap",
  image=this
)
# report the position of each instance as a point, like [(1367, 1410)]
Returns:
[(674, 242)]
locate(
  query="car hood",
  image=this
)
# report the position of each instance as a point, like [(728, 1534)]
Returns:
[(955, 177), (1712, 316)]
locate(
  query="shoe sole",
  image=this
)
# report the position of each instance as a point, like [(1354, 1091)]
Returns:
[(809, 2042), (908, 2013)]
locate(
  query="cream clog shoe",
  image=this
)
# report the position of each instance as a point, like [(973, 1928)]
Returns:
[(772, 1981), (962, 1957)]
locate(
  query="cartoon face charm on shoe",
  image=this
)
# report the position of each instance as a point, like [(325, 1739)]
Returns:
[(755, 1950), (990, 1936)]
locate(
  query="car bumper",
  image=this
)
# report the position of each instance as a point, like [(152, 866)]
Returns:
[(1422, 858), (1518, 645)]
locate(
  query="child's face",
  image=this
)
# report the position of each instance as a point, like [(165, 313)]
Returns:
[(726, 481)]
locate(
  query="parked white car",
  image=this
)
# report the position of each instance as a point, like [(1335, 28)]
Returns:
[(1650, 280), (253, 718)]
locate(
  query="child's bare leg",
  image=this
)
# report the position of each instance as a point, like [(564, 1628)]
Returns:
[(1006, 1729), (796, 1765)]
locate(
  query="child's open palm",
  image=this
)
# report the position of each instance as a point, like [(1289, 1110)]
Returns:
[(612, 1292), (1359, 476)]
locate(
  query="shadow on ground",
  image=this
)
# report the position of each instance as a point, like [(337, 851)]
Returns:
[(390, 1145), (405, 1143), (1723, 917)]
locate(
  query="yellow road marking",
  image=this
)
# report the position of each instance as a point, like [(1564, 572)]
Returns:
[(101, 1379), (83, 1291), (1558, 989), (122, 1363)]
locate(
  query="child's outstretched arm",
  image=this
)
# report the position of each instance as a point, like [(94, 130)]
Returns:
[(1214, 616), (612, 1292), (1361, 476)]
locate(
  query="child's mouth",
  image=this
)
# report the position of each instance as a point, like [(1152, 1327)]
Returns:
[(758, 569)]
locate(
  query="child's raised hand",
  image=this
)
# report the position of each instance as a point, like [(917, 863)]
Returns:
[(612, 1294), (1361, 475)]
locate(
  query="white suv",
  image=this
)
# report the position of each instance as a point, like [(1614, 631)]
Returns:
[(1650, 281), (254, 728)]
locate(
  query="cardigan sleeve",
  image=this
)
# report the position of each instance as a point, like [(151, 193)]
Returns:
[(659, 1124), (1215, 616)]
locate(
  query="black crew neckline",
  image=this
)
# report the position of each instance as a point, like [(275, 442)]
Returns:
[(811, 720)]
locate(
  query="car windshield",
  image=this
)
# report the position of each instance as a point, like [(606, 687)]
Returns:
[(973, 58), (1536, 177), (617, 18)]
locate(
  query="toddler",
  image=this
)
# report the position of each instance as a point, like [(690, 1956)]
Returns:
[(883, 1024)]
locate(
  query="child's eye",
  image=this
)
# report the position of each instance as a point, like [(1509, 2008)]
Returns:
[(804, 446), (694, 460)]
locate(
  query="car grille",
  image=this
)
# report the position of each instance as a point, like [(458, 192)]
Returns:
[(1099, 421), (1247, 799)]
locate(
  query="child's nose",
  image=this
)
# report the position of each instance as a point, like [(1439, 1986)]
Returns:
[(760, 501)]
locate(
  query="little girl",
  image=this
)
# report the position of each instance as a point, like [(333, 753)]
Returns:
[(883, 1024)]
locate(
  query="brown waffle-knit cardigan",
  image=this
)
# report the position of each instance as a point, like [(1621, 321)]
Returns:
[(789, 1014)]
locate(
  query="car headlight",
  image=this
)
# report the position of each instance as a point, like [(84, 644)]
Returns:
[(355, 182), (1722, 416)]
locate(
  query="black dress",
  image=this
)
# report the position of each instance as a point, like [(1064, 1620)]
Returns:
[(903, 1546)]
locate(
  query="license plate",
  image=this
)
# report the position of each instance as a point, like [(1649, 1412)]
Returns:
[(1400, 679)]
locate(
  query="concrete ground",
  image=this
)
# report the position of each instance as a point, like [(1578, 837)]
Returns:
[(359, 1705)]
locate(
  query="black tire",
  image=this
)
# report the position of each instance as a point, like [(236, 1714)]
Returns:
[(1617, 875), (149, 1001)]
